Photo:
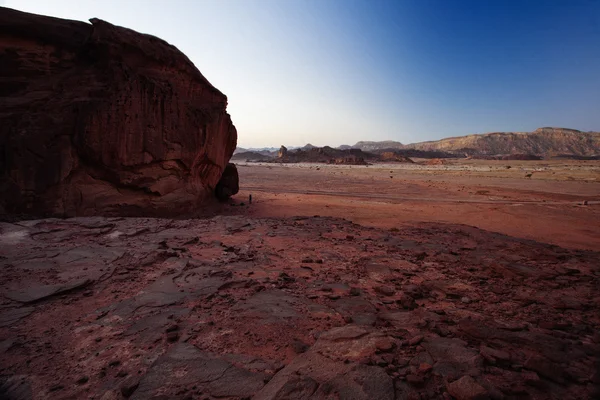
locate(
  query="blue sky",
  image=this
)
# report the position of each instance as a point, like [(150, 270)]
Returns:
[(335, 72)]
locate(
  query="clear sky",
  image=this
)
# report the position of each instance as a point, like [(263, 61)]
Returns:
[(338, 71)]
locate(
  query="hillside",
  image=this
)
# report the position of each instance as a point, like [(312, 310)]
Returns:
[(251, 156), (542, 142), (370, 146)]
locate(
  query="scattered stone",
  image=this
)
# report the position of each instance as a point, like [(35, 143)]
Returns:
[(82, 380), (425, 368), (415, 380), (407, 302), (56, 387), (492, 354), (531, 378), (545, 368), (299, 347), (466, 388), (172, 336), (129, 386), (210, 300), (415, 340), (385, 290), (385, 345)]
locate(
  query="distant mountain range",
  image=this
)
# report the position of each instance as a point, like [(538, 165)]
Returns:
[(370, 146), (543, 142)]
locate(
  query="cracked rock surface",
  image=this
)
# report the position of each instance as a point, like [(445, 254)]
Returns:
[(298, 308)]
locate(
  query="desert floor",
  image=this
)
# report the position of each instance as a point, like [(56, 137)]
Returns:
[(547, 207), (391, 282)]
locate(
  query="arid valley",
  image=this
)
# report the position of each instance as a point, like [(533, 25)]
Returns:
[(388, 281)]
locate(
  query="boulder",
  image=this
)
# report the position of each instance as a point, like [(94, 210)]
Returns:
[(98, 119)]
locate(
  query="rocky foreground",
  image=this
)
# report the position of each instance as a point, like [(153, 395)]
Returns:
[(319, 308)]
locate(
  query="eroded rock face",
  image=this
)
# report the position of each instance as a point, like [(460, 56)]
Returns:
[(99, 119)]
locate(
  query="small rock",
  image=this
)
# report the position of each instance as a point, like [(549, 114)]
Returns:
[(401, 361), (172, 328), (531, 378), (465, 300), (82, 380), (286, 278), (129, 386), (354, 292), (415, 380), (545, 368), (515, 326), (492, 354), (380, 361), (425, 368), (385, 345), (56, 387), (466, 389), (385, 290), (415, 340), (407, 302), (172, 336), (299, 347)]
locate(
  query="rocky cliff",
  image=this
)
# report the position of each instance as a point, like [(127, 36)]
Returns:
[(99, 119), (541, 142)]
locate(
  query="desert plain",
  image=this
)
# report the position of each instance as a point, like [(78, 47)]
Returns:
[(558, 204), (466, 279)]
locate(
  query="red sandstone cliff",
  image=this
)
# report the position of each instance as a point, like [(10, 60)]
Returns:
[(99, 119)]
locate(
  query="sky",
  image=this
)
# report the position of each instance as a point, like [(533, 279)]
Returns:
[(331, 72)]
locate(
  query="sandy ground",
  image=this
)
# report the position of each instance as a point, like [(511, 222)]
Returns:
[(547, 207)]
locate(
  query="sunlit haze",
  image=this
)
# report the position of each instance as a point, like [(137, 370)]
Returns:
[(335, 72)]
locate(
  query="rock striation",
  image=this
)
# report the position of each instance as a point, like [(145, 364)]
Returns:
[(97, 119)]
